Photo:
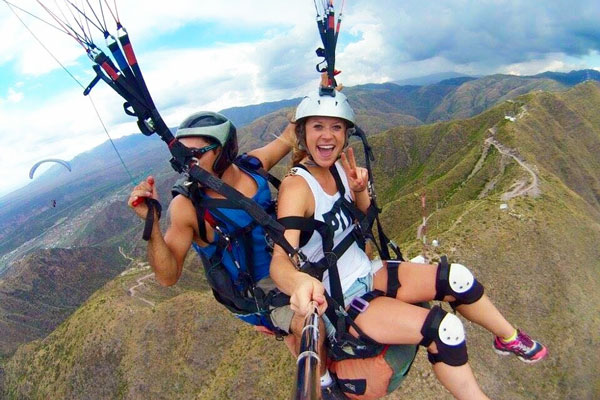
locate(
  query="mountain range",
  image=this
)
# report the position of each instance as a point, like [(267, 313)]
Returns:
[(508, 166)]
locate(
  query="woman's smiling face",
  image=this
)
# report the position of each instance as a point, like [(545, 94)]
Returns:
[(325, 139)]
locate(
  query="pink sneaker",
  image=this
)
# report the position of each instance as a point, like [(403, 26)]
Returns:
[(524, 347)]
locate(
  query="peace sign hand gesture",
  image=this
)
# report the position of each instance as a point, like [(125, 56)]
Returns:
[(358, 177)]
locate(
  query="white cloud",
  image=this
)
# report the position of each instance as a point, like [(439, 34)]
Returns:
[(181, 82), (557, 62), (14, 96), (380, 41), (553, 62), (60, 127), (144, 20)]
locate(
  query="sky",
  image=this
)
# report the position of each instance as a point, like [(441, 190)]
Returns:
[(211, 55)]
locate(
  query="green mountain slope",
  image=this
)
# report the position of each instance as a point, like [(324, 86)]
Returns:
[(134, 339), (476, 96), (45, 287), (538, 258)]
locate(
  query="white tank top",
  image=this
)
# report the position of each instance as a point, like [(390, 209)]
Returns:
[(354, 263)]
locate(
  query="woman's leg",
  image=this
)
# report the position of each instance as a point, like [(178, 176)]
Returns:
[(391, 321), (459, 381), (484, 313), (418, 283)]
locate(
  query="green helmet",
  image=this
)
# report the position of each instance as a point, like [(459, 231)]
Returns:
[(216, 127)]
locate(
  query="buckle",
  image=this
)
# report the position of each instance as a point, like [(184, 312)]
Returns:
[(359, 304)]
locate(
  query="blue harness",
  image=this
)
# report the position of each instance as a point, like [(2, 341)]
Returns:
[(240, 254)]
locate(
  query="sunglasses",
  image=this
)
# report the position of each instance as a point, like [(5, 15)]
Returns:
[(197, 152)]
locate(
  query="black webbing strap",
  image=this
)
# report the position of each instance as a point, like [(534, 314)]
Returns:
[(341, 320), (276, 298), (431, 325), (335, 284), (361, 218), (309, 225), (354, 312), (221, 244), (251, 163), (393, 284), (272, 179), (329, 262), (274, 228), (211, 203), (442, 277), (298, 223), (338, 181), (152, 205)]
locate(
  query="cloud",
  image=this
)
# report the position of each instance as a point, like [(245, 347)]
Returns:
[(380, 41), (392, 37), (144, 24), (60, 127), (482, 34), (181, 81), (12, 96)]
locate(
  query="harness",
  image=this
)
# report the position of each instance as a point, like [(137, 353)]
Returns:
[(344, 345), (235, 261)]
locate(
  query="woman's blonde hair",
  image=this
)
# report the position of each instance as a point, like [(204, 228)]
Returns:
[(299, 151)]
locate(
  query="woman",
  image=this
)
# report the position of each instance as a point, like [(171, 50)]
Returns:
[(310, 191)]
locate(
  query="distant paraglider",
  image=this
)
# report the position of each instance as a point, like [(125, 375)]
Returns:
[(56, 160)]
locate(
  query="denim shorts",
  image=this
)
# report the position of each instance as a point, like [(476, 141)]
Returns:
[(358, 288)]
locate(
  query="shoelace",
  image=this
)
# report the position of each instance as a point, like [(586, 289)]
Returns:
[(524, 343)]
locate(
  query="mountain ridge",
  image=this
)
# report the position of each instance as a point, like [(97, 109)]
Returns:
[(464, 167)]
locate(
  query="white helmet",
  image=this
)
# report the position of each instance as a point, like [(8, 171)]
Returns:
[(327, 106)]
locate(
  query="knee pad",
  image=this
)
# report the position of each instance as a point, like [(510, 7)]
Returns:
[(448, 333), (457, 281)]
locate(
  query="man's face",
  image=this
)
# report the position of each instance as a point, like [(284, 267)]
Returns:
[(205, 151)]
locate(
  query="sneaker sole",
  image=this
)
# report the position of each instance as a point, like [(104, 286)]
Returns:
[(525, 360), (502, 352)]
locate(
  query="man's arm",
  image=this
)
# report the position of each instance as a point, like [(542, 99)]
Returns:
[(167, 254), (271, 153)]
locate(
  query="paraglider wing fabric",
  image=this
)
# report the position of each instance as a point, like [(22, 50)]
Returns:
[(56, 160)]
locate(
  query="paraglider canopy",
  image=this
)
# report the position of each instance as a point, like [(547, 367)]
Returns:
[(56, 160)]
